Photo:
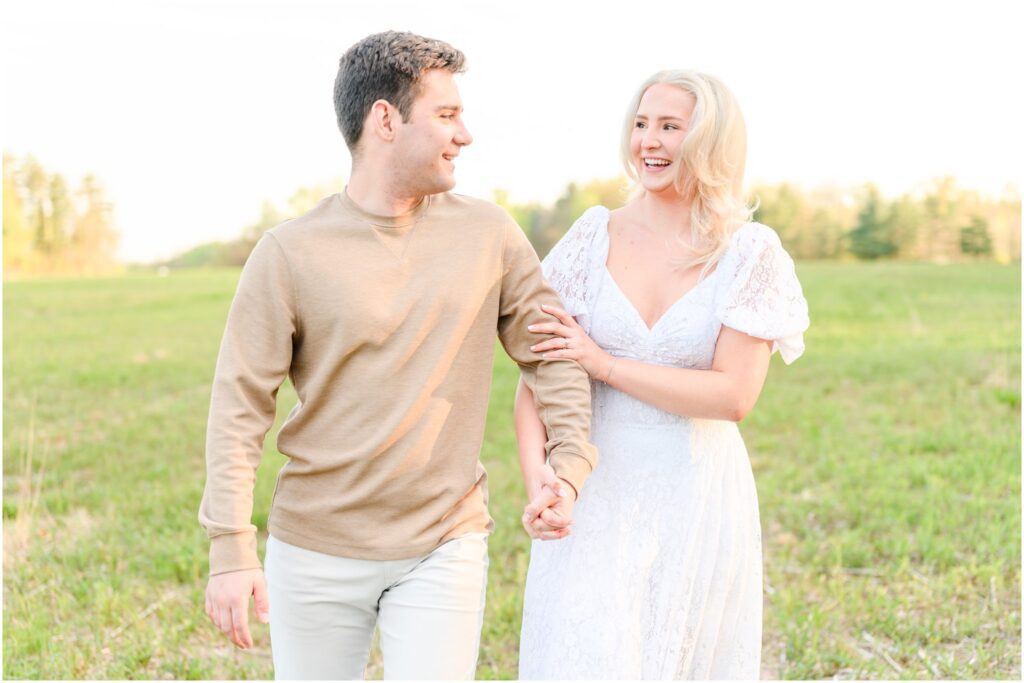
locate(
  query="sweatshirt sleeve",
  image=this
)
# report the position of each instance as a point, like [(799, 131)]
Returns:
[(561, 388), (254, 360)]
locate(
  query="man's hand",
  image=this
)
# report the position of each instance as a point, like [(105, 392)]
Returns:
[(227, 603), (549, 513)]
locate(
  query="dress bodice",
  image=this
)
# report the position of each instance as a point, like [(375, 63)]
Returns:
[(753, 289), (684, 337)]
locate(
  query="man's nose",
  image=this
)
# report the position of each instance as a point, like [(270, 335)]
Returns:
[(463, 137)]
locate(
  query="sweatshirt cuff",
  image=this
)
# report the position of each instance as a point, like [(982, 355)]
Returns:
[(572, 467), (233, 552)]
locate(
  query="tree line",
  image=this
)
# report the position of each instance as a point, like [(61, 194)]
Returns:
[(235, 252), (50, 227), (940, 224)]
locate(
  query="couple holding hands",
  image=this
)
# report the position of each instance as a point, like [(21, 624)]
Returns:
[(644, 336)]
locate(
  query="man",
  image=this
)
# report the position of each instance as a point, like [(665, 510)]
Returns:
[(381, 304)]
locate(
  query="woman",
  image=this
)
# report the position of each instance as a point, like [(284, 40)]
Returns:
[(673, 304)]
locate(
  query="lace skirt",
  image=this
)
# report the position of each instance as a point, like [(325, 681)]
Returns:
[(661, 577)]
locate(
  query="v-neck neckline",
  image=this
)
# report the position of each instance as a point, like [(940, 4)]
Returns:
[(650, 329), (608, 273)]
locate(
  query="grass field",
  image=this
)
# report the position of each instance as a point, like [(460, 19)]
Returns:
[(887, 461)]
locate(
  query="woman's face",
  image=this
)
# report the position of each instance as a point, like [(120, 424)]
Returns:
[(659, 128)]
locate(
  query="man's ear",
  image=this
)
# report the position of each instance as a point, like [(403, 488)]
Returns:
[(382, 119)]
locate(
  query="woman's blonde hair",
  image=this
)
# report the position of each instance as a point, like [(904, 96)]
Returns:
[(709, 170)]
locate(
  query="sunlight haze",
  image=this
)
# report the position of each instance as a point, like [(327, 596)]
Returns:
[(194, 113)]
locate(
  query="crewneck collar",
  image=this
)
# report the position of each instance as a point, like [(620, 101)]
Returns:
[(402, 221)]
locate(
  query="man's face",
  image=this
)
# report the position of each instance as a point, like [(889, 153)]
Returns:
[(426, 145)]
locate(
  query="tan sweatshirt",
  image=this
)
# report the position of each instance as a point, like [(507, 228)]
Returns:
[(386, 327)]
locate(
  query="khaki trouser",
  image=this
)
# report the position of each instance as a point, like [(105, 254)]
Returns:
[(430, 608)]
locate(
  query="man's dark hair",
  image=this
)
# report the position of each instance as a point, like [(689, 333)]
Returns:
[(386, 66)]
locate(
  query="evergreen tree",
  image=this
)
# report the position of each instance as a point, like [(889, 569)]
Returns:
[(975, 239), (873, 236)]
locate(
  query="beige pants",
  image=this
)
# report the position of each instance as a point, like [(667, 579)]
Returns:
[(430, 609)]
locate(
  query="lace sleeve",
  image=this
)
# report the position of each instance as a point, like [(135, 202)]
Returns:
[(763, 297), (569, 265)]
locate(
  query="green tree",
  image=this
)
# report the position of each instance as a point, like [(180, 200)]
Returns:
[(975, 239), (528, 216), (544, 226), (943, 211), (905, 220), (204, 255), (35, 185), (61, 218), (834, 215), (48, 228), (787, 210), (873, 237), (235, 252)]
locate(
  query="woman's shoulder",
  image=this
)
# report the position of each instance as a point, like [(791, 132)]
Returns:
[(590, 225), (750, 244), (579, 238), (595, 216), (570, 265), (753, 235)]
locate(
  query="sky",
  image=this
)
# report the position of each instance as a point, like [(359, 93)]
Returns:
[(192, 114)]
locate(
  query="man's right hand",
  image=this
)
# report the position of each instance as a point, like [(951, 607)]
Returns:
[(227, 603)]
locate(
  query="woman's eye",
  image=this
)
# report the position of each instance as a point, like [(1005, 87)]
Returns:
[(640, 124)]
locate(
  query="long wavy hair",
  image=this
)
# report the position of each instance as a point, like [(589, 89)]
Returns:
[(709, 170)]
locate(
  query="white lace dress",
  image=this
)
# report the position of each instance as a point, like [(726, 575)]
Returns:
[(661, 577)]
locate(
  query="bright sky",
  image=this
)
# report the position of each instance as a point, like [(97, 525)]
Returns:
[(193, 113)]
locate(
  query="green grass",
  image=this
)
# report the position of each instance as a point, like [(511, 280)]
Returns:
[(887, 462)]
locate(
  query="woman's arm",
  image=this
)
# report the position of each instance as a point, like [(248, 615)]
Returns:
[(531, 437), (728, 391), (548, 514)]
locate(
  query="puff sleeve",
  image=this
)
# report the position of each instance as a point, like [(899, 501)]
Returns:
[(761, 295), (570, 265)]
